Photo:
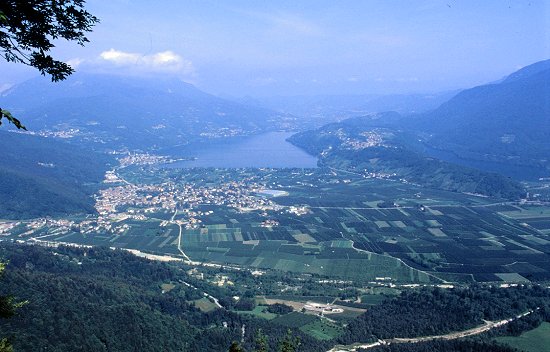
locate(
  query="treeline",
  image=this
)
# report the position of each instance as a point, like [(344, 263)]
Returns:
[(447, 346), (482, 342), (434, 311), (109, 300)]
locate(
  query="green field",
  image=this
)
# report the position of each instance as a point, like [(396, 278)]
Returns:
[(260, 312), (430, 237), (204, 304), (536, 340), (322, 329)]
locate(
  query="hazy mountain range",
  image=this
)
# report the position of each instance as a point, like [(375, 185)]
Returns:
[(507, 123), (321, 109), (42, 176), (135, 112)]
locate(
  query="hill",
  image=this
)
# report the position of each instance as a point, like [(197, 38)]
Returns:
[(354, 145), (44, 177), (505, 122), (105, 300), (134, 112)]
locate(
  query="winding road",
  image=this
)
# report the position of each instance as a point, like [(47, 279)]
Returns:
[(488, 325)]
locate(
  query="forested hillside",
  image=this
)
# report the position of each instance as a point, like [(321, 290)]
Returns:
[(507, 121), (105, 300), (431, 312), (356, 146), (44, 177)]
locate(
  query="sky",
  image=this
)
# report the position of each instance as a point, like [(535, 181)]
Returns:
[(264, 48)]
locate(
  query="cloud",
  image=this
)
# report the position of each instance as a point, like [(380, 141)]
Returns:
[(5, 86), (165, 61), (120, 57), (74, 63)]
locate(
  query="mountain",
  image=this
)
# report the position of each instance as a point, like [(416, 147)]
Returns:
[(355, 145), (134, 112), (321, 109), (44, 177), (505, 122)]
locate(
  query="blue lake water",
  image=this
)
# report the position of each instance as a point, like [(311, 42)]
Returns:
[(265, 150)]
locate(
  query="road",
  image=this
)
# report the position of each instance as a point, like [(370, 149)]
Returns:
[(207, 295), (488, 325)]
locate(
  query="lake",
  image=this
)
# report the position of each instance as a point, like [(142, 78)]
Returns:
[(265, 150)]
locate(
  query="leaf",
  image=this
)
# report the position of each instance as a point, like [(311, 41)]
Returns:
[(11, 119)]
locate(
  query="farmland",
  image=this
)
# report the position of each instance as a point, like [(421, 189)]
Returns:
[(323, 222), (536, 340)]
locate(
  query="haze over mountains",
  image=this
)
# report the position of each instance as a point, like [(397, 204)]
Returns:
[(135, 112), (45, 177), (322, 109), (507, 123)]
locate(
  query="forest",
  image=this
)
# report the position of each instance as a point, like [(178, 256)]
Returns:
[(435, 311), (109, 300)]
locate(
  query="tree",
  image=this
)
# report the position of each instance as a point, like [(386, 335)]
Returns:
[(28, 29), (11, 119), (261, 342), (289, 343), (7, 309), (235, 347)]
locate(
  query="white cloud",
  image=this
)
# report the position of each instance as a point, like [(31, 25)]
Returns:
[(5, 86), (120, 57), (74, 63), (165, 61)]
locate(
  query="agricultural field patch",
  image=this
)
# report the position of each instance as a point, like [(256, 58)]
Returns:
[(536, 340), (323, 226), (322, 329), (204, 304)]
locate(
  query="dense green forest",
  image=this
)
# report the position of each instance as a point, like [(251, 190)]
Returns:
[(109, 300), (99, 299), (434, 311)]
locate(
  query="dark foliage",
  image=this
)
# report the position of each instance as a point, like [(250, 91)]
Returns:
[(105, 300), (9, 117), (245, 304), (447, 346), (279, 308), (27, 29), (434, 311)]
